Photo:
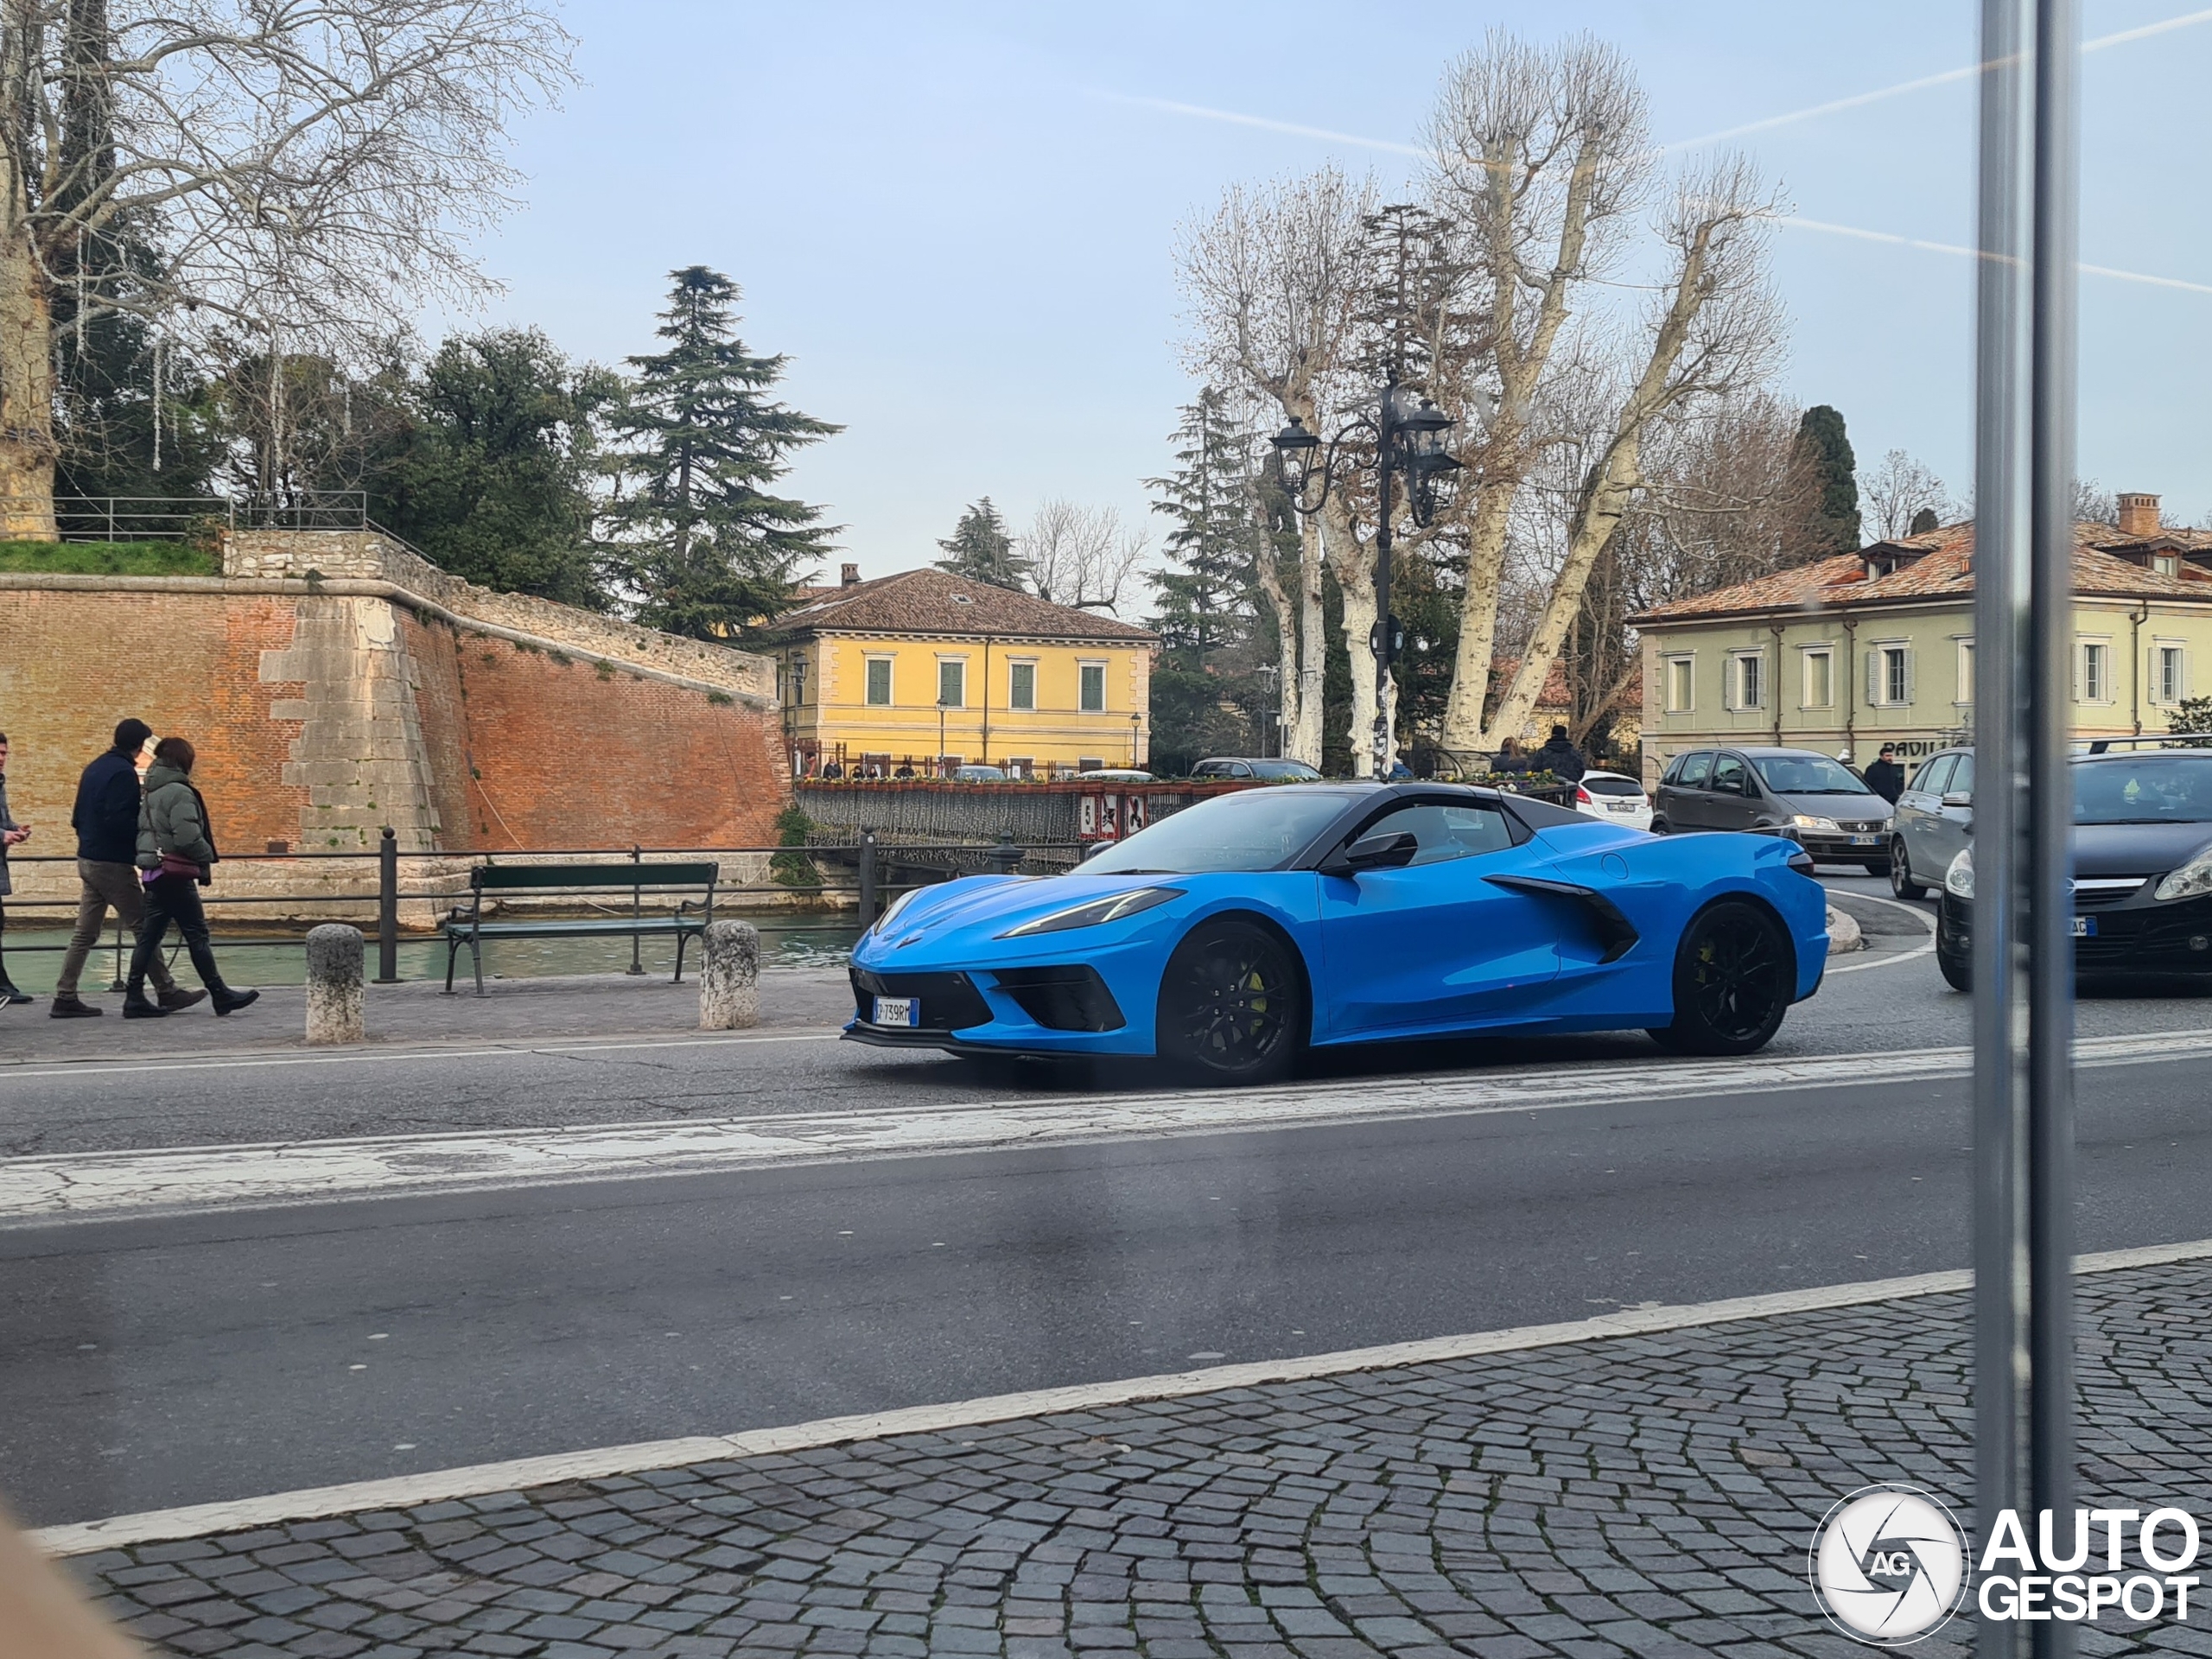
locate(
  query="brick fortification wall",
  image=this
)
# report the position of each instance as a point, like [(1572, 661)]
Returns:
[(327, 705)]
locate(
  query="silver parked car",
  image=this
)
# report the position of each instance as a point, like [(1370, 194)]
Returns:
[(1802, 793), (1933, 821)]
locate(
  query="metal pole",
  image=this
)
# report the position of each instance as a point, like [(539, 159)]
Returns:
[(388, 907), (637, 915), (1385, 460), (867, 878), (2023, 955)]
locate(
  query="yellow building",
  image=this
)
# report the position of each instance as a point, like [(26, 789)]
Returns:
[(925, 670)]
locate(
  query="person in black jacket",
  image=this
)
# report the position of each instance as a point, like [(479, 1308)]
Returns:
[(106, 823), (1559, 757), (1885, 778)]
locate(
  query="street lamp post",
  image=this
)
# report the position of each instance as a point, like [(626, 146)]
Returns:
[(1408, 438), (941, 707), (1134, 721)]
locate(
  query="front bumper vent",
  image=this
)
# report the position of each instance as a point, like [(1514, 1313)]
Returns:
[(1071, 998)]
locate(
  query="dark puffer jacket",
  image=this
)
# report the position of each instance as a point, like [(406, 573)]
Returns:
[(174, 820)]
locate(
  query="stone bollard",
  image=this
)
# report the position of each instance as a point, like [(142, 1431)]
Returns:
[(334, 984), (729, 985)]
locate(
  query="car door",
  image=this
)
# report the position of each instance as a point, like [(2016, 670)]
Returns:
[(1950, 828), (1914, 815), (1682, 801), (1435, 945), (1728, 804)]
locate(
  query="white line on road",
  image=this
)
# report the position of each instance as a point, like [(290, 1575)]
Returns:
[(443, 1485), (1924, 948), (108, 1185)]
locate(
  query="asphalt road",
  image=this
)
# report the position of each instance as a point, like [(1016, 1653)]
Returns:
[(155, 1362)]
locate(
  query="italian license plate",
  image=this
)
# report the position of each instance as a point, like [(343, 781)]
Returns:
[(2085, 927), (1866, 841), (1622, 806), (898, 1011)]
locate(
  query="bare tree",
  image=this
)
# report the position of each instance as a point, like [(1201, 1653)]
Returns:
[(1896, 491), (1082, 557), (1272, 283), (307, 168)]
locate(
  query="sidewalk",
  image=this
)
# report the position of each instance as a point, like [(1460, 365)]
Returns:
[(510, 1011), (1649, 1495)]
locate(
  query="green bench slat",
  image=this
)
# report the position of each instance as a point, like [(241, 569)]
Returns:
[(514, 876), (575, 929)]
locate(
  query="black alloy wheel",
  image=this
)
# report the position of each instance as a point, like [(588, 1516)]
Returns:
[(1734, 975), (1232, 1007), (1901, 882)]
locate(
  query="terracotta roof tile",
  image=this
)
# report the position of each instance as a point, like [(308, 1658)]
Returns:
[(936, 603), (1935, 564)]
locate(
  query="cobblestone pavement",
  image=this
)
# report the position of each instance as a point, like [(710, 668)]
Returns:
[(1648, 1496), (565, 1008)]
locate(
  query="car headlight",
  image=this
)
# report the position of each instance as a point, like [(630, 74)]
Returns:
[(1958, 880), (895, 906), (1112, 908), (1806, 821), (2191, 880)]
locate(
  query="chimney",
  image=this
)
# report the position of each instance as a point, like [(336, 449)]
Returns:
[(2138, 515), (852, 572)]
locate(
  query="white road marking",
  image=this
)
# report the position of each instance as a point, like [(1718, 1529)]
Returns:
[(443, 1485), (1926, 947), (237, 1060), (105, 1186)]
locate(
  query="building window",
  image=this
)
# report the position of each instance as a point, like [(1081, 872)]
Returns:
[(1819, 679), (2093, 672), (1747, 680), (2169, 673), (1093, 687), (878, 682), (1090, 763), (1021, 685), (1966, 674), (1889, 676), (952, 683), (2166, 564), (1680, 682)]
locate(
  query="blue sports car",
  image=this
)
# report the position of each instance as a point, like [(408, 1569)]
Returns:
[(1231, 936)]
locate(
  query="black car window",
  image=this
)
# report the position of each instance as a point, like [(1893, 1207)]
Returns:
[(1695, 770), (1961, 780), (1933, 776), (1252, 830), (1612, 785), (1728, 775), (2149, 788), (1673, 772), (1446, 830), (1808, 774), (1297, 771)]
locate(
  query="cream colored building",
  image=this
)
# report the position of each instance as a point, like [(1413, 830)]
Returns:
[(1861, 649), (925, 670)]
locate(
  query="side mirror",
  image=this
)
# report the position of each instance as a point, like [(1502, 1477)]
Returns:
[(1959, 798), (1389, 851)]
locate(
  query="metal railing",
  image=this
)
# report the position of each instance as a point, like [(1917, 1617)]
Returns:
[(183, 517)]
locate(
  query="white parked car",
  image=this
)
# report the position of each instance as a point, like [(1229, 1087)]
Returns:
[(1616, 798)]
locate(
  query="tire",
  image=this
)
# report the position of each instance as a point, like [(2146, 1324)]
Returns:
[(1734, 979), (1232, 1005), (1659, 827), (1958, 971), (1901, 882)]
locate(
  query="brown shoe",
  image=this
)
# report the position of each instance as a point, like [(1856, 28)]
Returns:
[(177, 997), (72, 1008)]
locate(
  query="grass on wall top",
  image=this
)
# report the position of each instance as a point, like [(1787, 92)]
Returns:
[(108, 559)]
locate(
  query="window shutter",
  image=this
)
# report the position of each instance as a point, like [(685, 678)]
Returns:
[(1874, 677), (1908, 695), (2080, 653)]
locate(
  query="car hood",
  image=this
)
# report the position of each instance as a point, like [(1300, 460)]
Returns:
[(1857, 808), (975, 900), (2136, 848)]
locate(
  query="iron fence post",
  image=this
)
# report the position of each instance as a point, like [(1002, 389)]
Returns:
[(1005, 858), (117, 984), (637, 914), (388, 908), (867, 877)]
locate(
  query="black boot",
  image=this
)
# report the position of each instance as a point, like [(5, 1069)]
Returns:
[(135, 1005), (72, 1008), (230, 1001)]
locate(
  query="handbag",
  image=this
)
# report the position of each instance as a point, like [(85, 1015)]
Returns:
[(178, 864)]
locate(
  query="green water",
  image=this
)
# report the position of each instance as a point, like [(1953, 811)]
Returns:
[(33, 954)]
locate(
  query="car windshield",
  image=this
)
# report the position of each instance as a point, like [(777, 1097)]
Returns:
[(1807, 774), (1295, 770), (1252, 830), (2144, 789), (1611, 786)]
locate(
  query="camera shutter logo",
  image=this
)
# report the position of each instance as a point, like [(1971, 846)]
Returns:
[(1889, 1565)]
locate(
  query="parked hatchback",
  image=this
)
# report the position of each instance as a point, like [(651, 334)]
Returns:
[(1932, 823), (1277, 770), (1614, 796), (1801, 793)]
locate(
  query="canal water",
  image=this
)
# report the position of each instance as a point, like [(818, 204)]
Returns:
[(33, 954)]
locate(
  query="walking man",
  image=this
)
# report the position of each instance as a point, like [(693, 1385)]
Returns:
[(10, 834), (106, 823), (1885, 778)]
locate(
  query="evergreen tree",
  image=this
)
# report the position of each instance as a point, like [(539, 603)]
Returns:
[(492, 477), (1833, 525), (981, 547), (702, 547), (1205, 609)]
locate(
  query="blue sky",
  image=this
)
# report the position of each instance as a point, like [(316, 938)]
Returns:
[(957, 219)]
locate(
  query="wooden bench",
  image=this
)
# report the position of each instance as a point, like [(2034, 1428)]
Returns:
[(466, 925)]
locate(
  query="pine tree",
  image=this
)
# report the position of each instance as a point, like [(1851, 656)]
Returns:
[(1205, 609), (702, 547), (981, 547), (1833, 526)]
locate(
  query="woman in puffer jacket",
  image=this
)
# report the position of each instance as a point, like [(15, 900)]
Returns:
[(176, 855)]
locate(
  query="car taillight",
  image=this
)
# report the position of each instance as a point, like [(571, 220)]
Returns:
[(1581, 796)]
